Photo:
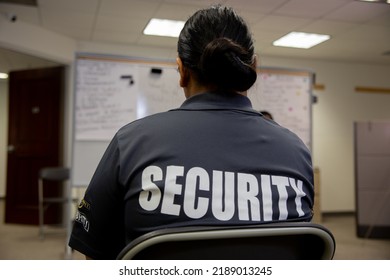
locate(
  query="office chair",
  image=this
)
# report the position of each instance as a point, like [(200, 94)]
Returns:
[(54, 174), (275, 241)]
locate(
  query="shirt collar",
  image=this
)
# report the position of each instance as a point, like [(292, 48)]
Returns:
[(218, 101)]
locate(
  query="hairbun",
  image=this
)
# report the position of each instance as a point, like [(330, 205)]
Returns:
[(222, 63)]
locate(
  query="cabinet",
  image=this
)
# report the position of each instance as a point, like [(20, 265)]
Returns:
[(372, 179)]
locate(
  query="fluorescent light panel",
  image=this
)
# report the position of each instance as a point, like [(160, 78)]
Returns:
[(301, 40), (3, 75), (164, 27), (376, 1)]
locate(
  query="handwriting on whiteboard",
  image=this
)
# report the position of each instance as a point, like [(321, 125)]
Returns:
[(104, 100)]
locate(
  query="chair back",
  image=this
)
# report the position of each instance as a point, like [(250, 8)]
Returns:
[(53, 193), (54, 173), (275, 241)]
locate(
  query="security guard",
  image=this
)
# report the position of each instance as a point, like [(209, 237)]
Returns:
[(213, 161)]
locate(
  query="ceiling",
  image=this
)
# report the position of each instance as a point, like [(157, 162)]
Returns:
[(360, 31)]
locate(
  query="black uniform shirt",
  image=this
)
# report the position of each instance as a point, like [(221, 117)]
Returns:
[(213, 161)]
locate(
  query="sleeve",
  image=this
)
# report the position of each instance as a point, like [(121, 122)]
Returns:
[(98, 230)]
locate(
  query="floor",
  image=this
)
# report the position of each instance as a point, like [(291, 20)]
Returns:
[(18, 242)]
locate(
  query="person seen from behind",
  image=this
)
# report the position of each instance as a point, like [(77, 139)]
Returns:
[(212, 161)]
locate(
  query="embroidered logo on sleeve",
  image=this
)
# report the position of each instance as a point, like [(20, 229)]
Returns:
[(80, 218), (84, 204)]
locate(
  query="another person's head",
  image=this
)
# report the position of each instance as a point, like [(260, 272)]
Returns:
[(267, 115), (216, 49)]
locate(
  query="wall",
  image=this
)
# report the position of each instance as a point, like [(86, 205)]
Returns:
[(333, 116), (34, 40)]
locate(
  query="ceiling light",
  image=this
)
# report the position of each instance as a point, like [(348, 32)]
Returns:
[(164, 27), (376, 1), (3, 75), (300, 40)]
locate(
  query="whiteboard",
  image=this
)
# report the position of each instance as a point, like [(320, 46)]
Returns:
[(158, 92), (106, 98), (113, 91), (287, 95)]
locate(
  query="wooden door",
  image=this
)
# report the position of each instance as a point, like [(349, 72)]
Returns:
[(34, 140)]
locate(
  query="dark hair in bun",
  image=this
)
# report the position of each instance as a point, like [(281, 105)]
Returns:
[(217, 46)]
